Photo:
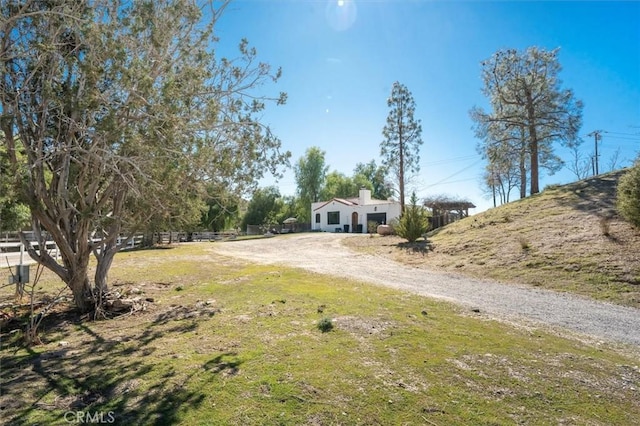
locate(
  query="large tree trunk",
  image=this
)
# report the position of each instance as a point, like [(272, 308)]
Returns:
[(74, 272), (105, 259), (493, 187), (72, 239), (523, 174), (534, 164), (83, 296)]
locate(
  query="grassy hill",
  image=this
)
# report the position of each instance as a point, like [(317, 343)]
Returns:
[(567, 238)]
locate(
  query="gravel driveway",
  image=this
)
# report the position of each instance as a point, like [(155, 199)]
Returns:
[(324, 253)]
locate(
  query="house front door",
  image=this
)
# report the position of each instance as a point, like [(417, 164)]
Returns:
[(354, 222)]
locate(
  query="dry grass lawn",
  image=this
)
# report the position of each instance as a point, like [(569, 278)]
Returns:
[(567, 238)]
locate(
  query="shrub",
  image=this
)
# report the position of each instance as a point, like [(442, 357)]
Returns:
[(413, 222), (372, 227), (325, 325), (393, 223), (628, 196)]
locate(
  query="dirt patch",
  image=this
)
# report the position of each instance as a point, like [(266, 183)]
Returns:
[(362, 327)]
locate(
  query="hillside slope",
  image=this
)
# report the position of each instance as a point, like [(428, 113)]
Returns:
[(567, 238)]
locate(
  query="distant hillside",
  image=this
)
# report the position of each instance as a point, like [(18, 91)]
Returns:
[(567, 238)]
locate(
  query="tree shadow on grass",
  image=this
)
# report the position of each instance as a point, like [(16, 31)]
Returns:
[(149, 248), (597, 194), (421, 247), (120, 379)]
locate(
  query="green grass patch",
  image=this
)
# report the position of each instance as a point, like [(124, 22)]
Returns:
[(240, 344)]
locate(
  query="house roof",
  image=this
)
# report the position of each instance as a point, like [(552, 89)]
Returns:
[(347, 201), (355, 202), (339, 200)]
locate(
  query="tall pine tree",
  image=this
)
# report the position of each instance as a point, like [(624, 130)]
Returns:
[(400, 149), (530, 112)]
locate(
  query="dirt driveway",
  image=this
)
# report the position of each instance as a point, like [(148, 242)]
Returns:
[(324, 253)]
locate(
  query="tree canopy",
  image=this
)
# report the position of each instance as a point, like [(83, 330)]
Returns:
[(530, 112), (13, 214), (339, 185), (124, 115), (376, 175), (264, 207), (310, 172), (222, 211), (400, 149)]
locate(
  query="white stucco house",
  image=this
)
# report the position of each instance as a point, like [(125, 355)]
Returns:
[(352, 214)]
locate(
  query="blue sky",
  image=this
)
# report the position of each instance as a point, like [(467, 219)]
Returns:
[(340, 58)]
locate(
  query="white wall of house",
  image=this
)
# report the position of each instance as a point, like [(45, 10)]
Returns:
[(333, 215)]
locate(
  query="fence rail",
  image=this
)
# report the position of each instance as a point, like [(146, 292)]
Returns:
[(10, 241), (278, 229), (14, 253), (11, 245)]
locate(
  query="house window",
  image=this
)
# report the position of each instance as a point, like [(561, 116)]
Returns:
[(317, 217), (333, 218)]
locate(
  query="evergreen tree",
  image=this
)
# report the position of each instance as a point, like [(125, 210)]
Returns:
[(414, 222), (400, 149), (530, 112)]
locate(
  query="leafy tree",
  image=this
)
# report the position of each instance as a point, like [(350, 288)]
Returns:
[(360, 181), (414, 221), (365, 176), (13, 214), (310, 172), (530, 112), (628, 195), (125, 115), (505, 170), (498, 183), (376, 175), (264, 207), (505, 148), (290, 207), (337, 185), (222, 211), (402, 137)]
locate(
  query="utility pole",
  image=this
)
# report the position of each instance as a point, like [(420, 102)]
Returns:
[(597, 136)]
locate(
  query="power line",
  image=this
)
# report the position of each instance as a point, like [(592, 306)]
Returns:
[(453, 175), (621, 133), (451, 160), (451, 181), (624, 138)]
